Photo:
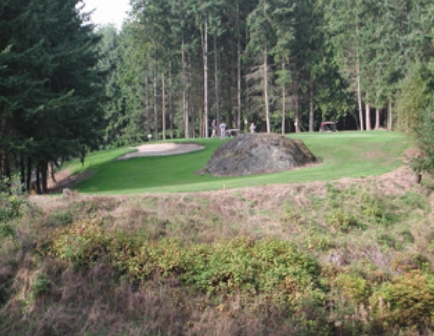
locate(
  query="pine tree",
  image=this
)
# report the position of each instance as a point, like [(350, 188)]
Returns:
[(262, 39), (50, 91)]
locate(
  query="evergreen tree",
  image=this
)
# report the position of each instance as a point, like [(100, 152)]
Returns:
[(51, 92)]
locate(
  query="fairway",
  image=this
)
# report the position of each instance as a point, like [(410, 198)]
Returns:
[(343, 155)]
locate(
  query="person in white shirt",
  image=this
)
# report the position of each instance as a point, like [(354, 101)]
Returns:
[(222, 130), (252, 128)]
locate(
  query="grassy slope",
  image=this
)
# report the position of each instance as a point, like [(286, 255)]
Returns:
[(345, 154), (372, 238)]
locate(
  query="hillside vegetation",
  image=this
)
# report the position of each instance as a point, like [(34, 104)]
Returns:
[(352, 257), (348, 257)]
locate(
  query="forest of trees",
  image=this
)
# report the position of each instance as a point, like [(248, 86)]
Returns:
[(286, 65), (50, 87), (67, 87)]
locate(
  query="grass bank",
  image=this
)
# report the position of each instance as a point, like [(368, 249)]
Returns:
[(322, 258), (344, 154)]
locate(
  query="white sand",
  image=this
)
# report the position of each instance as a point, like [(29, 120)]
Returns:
[(161, 150)]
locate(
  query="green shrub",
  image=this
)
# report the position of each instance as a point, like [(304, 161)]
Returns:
[(93, 205), (6, 231), (407, 236), (236, 265), (354, 287), (376, 209), (389, 241), (81, 243), (406, 301), (10, 206), (292, 214), (40, 286), (414, 201), (61, 218), (406, 262), (5, 289), (319, 242), (340, 220)]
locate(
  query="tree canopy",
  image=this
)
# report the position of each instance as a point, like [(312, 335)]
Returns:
[(50, 88), (67, 87), (284, 65)]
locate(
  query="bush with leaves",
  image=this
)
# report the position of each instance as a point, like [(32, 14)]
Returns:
[(10, 206), (425, 143), (225, 267), (406, 301)]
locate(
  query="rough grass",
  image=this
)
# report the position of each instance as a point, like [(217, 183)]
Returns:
[(344, 154), (372, 239)]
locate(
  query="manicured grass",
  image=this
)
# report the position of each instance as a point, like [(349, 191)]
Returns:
[(344, 154)]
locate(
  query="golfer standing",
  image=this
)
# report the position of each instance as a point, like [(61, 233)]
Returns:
[(222, 130), (252, 128)]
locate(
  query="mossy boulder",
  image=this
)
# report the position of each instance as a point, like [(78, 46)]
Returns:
[(258, 153)]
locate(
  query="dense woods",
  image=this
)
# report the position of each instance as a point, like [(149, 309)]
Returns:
[(50, 88), (67, 87), (286, 66), (341, 251)]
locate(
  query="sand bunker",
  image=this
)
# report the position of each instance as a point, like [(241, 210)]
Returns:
[(161, 150)]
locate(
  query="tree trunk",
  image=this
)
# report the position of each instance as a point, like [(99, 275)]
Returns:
[(190, 112), (44, 176), (184, 89), (377, 118), (368, 117), (238, 70), (155, 101), (297, 108), (163, 106), (204, 36), (2, 151), (283, 101), (6, 167), (170, 101), (29, 174), (22, 172), (390, 116), (248, 118), (52, 172), (147, 107), (359, 89), (216, 86), (38, 180), (267, 106), (311, 110)]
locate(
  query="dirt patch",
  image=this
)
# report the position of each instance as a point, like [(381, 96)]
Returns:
[(162, 150), (64, 179)]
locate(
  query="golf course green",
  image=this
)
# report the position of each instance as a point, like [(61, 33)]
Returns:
[(343, 155)]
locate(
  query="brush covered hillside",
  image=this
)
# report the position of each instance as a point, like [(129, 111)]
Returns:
[(352, 256)]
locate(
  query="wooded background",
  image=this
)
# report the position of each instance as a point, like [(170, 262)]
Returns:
[(67, 87)]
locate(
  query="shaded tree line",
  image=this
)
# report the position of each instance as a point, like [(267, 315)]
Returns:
[(177, 65), (50, 87), (284, 65)]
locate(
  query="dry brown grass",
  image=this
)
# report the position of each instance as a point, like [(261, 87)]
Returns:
[(100, 301)]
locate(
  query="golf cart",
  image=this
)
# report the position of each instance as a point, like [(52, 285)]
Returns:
[(328, 126)]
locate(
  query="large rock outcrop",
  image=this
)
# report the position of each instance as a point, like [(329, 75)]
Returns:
[(257, 153)]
